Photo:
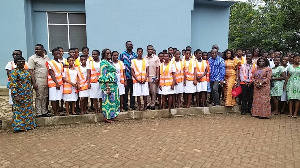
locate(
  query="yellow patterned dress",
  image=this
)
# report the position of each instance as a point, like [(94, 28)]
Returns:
[(230, 80)]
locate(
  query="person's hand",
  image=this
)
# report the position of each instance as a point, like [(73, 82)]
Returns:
[(172, 87), (35, 86), (108, 90), (90, 86), (125, 84), (57, 86), (222, 83), (160, 88), (73, 84), (156, 80), (184, 83), (195, 82), (78, 87)]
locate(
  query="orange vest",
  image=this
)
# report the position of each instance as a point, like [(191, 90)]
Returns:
[(166, 78), (208, 71), (57, 73), (243, 61), (121, 72), (67, 86), (94, 74), (189, 72), (139, 75), (201, 70), (179, 72), (82, 80)]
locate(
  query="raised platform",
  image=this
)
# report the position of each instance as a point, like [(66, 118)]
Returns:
[(130, 115)]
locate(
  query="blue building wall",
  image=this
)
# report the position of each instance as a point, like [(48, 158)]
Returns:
[(162, 23), (210, 25)]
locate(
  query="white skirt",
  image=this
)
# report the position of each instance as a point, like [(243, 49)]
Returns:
[(55, 94), (202, 86), (166, 90), (72, 96), (283, 96), (10, 102), (140, 89), (179, 88), (189, 87), (95, 91), (84, 93), (121, 88)]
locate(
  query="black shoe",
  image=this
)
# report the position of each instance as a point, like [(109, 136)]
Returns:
[(243, 113), (125, 109), (152, 108), (38, 116), (148, 107), (133, 108), (46, 115)]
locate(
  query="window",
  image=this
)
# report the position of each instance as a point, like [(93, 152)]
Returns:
[(66, 30)]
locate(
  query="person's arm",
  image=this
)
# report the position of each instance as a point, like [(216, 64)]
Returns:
[(222, 71), (89, 77), (174, 80), (286, 80), (147, 74), (134, 76), (238, 63), (282, 76), (195, 76), (125, 77), (51, 73)]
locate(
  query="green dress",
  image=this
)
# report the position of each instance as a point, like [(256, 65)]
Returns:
[(20, 85), (111, 102), (293, 84), (277, 88)]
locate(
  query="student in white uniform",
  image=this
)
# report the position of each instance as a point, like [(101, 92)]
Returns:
[(167, 80), (161, 60), (190, 77), (121, 77), (201, 67), (139, 71), (283, 98), (95, 90), (179, 79), (70, 86), (84, 74), (55, 83)]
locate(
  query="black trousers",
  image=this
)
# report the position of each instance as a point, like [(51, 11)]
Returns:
[(247, 97), (128, 88)]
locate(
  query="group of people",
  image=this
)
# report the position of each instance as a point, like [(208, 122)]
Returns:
[(163, 79)]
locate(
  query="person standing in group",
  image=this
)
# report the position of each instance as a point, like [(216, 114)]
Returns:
[(205, 58), (55, 82), (11, 66), (239, 56), (167, 80), (284, 62), (278, 77), (76, 57), (217, 75), (190, 78), (153, 62), (293, 86), (246, 72), (140, 73), (231, 77), (201, 67), (61, 56), (95, 90), (109, 86), (126, 58), (84, 74), (39, 73), (161, 60), (121, 76), (179, 79), (255, 54), (261, 98), (22, 97), (70, 86)]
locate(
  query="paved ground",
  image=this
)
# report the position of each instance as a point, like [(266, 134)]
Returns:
[(206, 141)]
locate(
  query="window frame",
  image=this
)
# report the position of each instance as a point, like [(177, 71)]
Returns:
[(68, 24)]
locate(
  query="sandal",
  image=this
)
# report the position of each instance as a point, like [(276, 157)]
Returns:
[(294, 116), (289, 116)]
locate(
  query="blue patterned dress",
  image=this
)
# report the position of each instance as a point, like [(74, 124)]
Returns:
[(20, 85), (110, 102)]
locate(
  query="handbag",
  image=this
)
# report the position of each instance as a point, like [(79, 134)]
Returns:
[(236, 91)]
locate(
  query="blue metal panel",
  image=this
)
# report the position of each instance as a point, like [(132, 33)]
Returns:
[(13, 33), (210, 25), (110, 23)]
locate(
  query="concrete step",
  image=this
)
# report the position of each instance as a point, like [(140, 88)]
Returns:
[(3, 91), (130, 115)]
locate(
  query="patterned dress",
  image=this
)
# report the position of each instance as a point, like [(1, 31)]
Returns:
[(110, 102), (277, 88), (293, 84), (261, 106), (20, 85), (230, 81)]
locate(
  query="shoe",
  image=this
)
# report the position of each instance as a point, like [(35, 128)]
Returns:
[(38, 116), (125, 109), (133, 108), (152, 108), (148, 107), (46, 115), (243, 113)]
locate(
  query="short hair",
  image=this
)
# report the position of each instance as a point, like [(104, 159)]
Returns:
[(149, 46), (82, 56), (239, 49), (139, 49), (187, 47), (18, 51), (75, 48), (171, 47), (187, 50), (55, 49), (197, 51), (114, 52), (71, 49), (59, 47), (98, 52), (165, 51), (296, 55), (39, 45), (69, 58), (18, 58), (83, 48), (128, 42), (161, 53)]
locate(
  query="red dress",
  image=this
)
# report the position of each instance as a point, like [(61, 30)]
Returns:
[(261, 106)]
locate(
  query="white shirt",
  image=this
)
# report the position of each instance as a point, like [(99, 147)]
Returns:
[(58, 65), (139, 64), (188, 64), (73, 75), (10, 65), (84, 71), (172, 67), (96, 65), (118, 70)]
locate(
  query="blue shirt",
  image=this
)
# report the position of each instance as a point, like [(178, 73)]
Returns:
[(217, 69), (126, 58)]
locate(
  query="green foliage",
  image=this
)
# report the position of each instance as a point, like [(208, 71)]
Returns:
[(274, 25)]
